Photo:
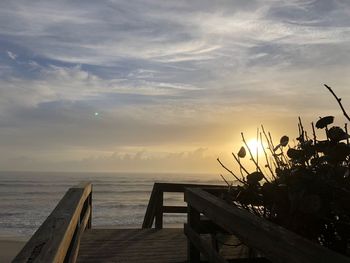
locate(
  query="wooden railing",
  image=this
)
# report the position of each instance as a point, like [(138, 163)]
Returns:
[(156, 208), (275, 243), (57, 239)]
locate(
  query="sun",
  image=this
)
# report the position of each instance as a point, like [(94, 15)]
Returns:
[(255, 147)]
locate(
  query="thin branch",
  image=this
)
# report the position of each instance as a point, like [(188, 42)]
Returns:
[(339, 101), (278, 161), (284, 157), (257, 145), (266, 157), (346, 130), (240, 164), (252, 158), (240, 169), (315, 138), (235, 176), (223, 178), (313, 132), (271, 141), (270, 147), (301, 130)]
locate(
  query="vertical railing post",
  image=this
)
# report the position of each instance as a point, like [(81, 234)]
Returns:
[(159, 209), (88, 226), (193, 220)]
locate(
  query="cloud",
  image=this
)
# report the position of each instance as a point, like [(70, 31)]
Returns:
[(163, 73), (11, 55), (141, 161)]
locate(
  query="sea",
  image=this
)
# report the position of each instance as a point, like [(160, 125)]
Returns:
[(119, 199)]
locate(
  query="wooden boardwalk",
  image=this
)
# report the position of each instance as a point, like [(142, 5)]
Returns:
[(133, 245), (167, 245), (209, 234)]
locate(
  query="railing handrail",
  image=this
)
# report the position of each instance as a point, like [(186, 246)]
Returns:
[(57, 239), (156, 208), (275, 242)]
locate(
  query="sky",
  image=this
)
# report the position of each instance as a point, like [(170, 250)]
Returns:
[(162, 86)]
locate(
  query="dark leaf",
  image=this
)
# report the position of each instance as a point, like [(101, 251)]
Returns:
[(339, 152), (323, 122), (294, 153), (337, 134), (284, 140), (242, 152), (254, 177), (322, 146), (319, 160)]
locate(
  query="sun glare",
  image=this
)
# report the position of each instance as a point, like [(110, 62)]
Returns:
[(255, 147)]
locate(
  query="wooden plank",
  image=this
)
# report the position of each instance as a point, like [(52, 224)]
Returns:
[(151, 208), (277, 243), (159, 211), (140, 245), (180, 188), (203, 246), (155, 210), (175, 209), (76, 243), (52, 240), (133, 246), (89, 224), (193, 251), (206, 226)]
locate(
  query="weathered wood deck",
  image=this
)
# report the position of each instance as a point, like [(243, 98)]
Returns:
[(167, 245), (210, 234), (133, 245)]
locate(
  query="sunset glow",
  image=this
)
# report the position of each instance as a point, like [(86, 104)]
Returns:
[(255, 147), (161, 85)]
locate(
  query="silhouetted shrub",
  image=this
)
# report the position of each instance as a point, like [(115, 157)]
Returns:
[(304, 188)]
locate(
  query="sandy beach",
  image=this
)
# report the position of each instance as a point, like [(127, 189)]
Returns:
[(9, 247)]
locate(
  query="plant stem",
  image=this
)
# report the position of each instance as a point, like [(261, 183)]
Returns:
[(239, 163), (266, 157), (235, 176), (228, 184), (339, 101), (270, 146), (252, 158)]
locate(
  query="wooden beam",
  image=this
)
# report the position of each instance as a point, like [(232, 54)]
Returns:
[(206, 226), (175, 209), (203, 246), (159, 210), (193, 219), (151, 208), (89, 224), (155, 207), (74, 249), (180, 188), (275, 242), (52, 240)]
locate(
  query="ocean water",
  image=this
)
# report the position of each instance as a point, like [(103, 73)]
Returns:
[(119, 199)]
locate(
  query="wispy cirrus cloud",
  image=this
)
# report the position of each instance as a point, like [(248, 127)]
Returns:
[(161, 73)]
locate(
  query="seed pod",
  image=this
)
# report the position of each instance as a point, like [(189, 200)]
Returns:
[(294, 153), (337, 134), (284, 141), (323, 122), (254, 177), (242, 152)]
